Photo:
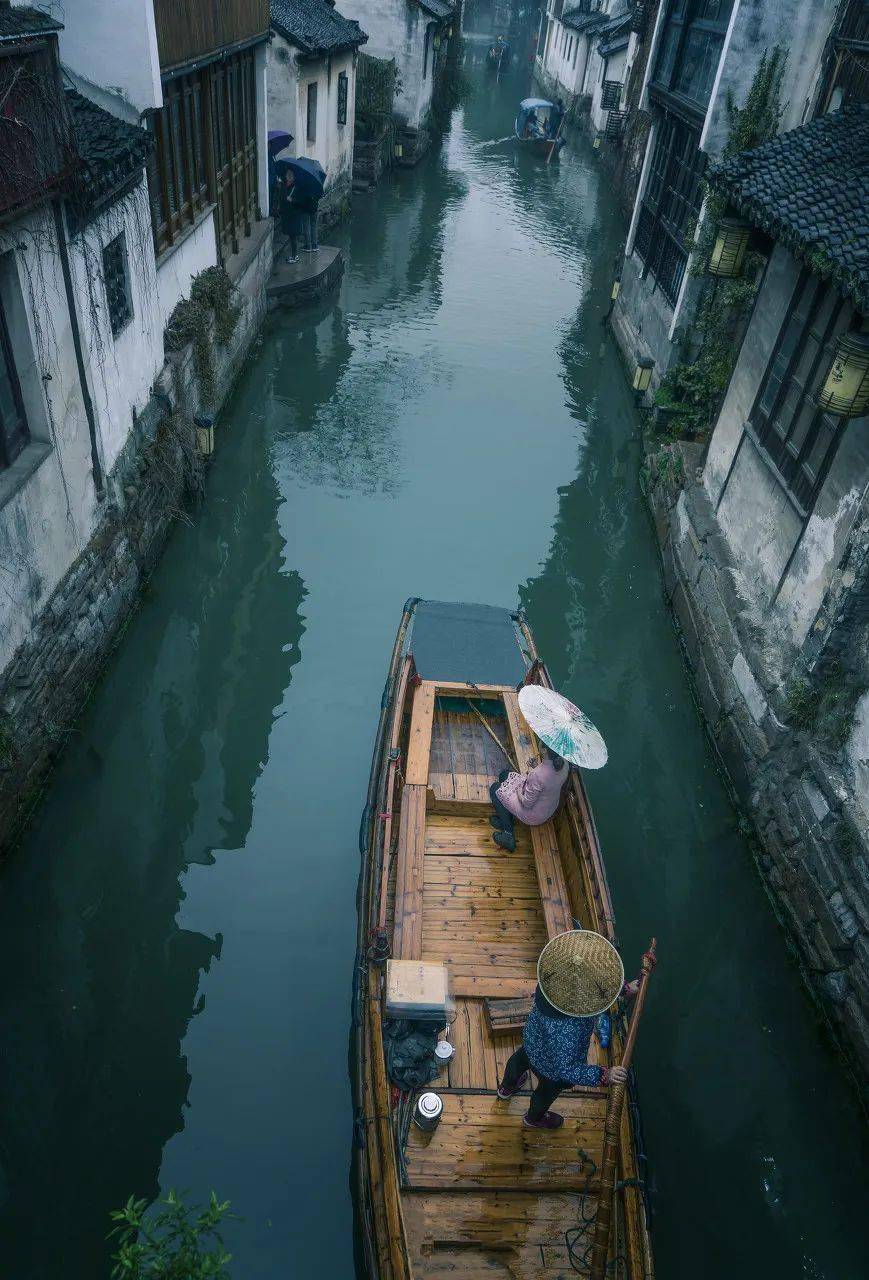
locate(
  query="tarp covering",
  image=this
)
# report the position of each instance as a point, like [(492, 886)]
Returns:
[(468, 642)]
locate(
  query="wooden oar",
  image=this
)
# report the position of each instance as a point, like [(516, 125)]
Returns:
[(600, 1246), (492, 734), (554, 142)]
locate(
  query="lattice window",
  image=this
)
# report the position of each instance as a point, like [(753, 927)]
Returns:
[(690, 47), (116, 277), (611, 95), (14, 432), (671, 203), (797, 437), (311, 126), (342, 97), (615, 125)]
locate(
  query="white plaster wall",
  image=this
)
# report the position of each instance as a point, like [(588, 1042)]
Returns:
[(186, 258), (263, 126), (121, 369), (47, 498), (565, 57), (112, 44), (288, 80), (396, 29)]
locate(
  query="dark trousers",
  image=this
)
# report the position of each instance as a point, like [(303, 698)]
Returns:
[(546, 1092), (502, 813)]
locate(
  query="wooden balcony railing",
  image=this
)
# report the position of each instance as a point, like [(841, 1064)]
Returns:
[(191, 30), (37, 151)]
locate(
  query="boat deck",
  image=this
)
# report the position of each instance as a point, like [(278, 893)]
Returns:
[(483, 1196)]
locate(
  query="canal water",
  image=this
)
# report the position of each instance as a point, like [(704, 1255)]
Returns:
[(177, 930)]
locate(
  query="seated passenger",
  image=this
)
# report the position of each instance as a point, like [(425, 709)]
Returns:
[(531, 797)]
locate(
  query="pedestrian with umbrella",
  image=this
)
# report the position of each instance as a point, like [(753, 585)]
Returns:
[(303, 181), (569, 737)]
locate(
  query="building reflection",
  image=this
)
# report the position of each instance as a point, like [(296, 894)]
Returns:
[(162, 772)]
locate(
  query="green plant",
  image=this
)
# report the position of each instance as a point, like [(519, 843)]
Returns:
[(825, 707), (210, 301), (173, 1243)]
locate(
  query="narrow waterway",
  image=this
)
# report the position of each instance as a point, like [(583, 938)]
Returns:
[(177, 931)]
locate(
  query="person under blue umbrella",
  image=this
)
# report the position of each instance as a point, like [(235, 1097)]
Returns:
[(303, 182)]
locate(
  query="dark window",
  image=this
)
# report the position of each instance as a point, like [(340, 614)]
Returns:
[(797, 437), (671, 203), (205, 152), (611, 96), (342, 97), (312, 113), (690, 48), (13, 421), (117, 280)]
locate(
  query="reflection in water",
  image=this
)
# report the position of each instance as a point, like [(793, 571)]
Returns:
[(455, 423)]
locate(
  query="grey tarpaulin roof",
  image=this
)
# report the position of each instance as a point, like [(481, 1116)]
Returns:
[(809, 188), (466, 642), (315, 26)]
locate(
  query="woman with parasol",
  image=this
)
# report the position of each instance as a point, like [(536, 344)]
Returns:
[(569, 737), (579, 976)]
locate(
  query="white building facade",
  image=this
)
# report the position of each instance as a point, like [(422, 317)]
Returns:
[(312, 90)]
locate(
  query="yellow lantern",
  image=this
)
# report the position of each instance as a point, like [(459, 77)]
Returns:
[(617, 284), (846, 387), (398, 151), (204, 424), (437, 42), (643, 375), (728, 253)]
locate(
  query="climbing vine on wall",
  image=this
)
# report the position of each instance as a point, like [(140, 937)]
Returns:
[(693, 389), (208, 315)]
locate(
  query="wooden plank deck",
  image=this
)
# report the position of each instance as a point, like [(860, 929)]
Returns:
[(481, 1142)]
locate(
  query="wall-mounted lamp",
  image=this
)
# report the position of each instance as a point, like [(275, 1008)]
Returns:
[(846, 386), (398, 151), (204, 424), (437, 42), (596, 144), (617, 284), (643, 375), (728, 252), (450, 34)]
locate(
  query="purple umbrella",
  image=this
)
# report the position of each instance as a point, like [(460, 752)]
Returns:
[(278, 139)]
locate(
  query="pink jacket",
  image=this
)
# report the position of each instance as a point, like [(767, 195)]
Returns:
[(533, 797)]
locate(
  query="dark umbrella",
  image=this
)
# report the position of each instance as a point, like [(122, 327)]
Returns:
[(278, 139), (310, 175)]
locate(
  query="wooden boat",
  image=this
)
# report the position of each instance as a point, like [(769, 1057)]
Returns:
[(481, 1196), (531, 127)]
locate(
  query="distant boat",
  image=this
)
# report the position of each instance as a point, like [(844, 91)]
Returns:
[(533, 127), (474, 1194), (498, 57)]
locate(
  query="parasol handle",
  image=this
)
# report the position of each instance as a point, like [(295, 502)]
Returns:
[(612, 1128)]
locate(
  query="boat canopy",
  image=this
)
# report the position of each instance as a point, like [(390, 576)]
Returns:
[(527, 103), (542, 110)]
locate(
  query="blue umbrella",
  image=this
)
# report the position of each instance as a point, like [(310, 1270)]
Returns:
[(278, 140), (310, 175)]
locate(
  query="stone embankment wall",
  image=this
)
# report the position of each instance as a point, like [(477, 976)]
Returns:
[(812, 835), (48, 681)]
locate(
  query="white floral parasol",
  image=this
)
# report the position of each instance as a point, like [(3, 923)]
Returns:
[(562, 726)]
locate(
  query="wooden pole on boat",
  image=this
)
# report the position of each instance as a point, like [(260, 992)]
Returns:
[(554, 143), (612, 1125), (492, 734)]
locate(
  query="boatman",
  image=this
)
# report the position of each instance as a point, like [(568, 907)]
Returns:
[(579, 976)]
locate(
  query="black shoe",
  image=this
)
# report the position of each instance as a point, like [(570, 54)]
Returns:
[(495, 821), (505, 840)]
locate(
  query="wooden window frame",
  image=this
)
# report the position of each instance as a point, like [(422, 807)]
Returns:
[(118, 318), (683, 25), (14, 436), (816, 315), (672, 197), (311, 104), (343, 94), (611, 95)]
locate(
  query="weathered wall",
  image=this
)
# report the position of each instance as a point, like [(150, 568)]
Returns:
[(191, 253), (397, 29), (802, 798), (83, 610), (112, 44), (288, 80)]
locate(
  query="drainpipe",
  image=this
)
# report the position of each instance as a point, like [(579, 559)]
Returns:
[(96, 465)]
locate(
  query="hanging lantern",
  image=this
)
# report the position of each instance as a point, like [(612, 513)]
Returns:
[(596, 144), (617, 284), (643, 375), (450, 34), (728, 253), (204, 424), (437, 42), (846, 387), (398, 151)]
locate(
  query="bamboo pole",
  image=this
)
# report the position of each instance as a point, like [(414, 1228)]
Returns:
[(600, 1246), (492, 734)]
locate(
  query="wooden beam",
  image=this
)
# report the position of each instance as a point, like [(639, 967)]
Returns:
[(410, 875), (419, 746)]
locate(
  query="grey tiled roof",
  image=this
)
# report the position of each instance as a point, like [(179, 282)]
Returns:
[(582, 20), (314, 26), (25, 21), (809, 188), (112, 151), (436, 8)]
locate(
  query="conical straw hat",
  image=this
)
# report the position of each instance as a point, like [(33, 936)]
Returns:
[(580, 973), (562, 726)]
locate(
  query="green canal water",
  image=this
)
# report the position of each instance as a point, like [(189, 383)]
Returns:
[(177, 930)]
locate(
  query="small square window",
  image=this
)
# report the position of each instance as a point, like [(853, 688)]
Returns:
[(342, 97), (117, 280), (311, 131)]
